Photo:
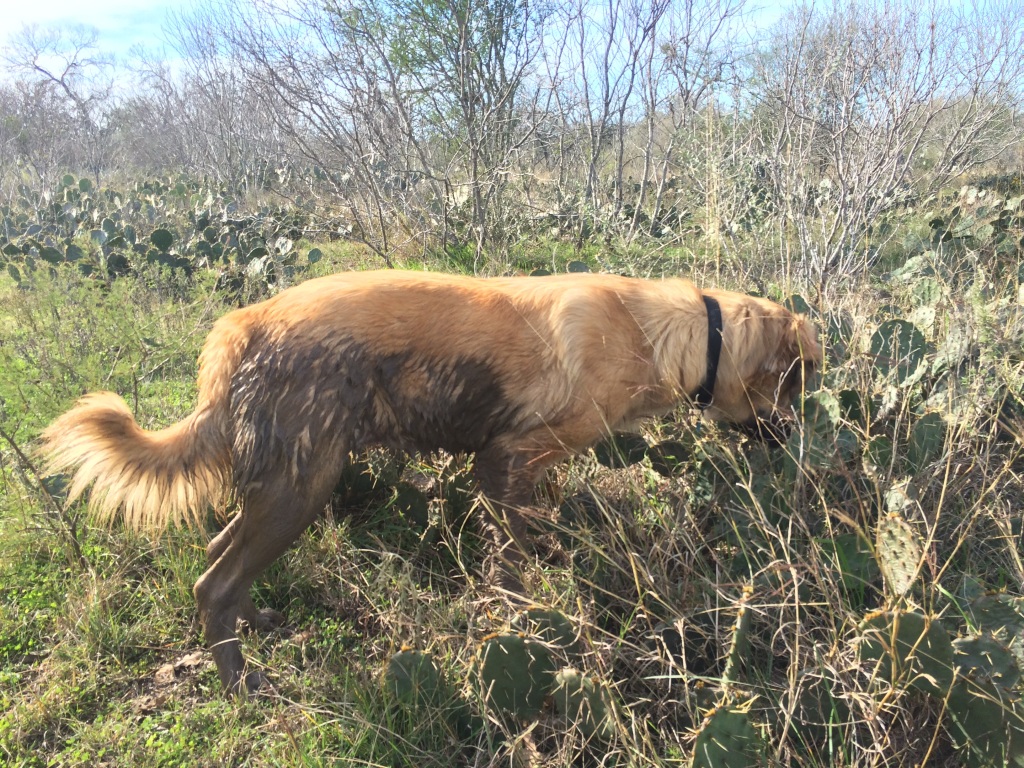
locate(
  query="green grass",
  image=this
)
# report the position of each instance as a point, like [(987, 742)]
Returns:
[(101, 655)]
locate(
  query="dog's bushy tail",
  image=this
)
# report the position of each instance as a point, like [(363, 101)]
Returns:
[(152, 479)]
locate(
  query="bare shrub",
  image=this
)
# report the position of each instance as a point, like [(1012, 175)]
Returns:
[(861, 108)]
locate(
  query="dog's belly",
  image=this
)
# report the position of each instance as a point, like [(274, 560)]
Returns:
[(291, 404), (422, 403)]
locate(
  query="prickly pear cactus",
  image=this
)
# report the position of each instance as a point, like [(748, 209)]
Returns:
[(621, 450), (740, 644), (986, 723), (898, 550), (727, 738), (897, 350), (414, 679), (977, 678), (585, 703), (985, 657), (549, 626), (819, 715), (927, 439), (998, 613), (985, 706), (513, 674), (878, 454), (412, 504), (813, 446), (910, 648), (669, 457), (901, 497), (162, 239), (855, 564), (797, 303)]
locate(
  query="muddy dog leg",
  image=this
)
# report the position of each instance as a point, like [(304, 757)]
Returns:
[(272, 518), (506, 484), (263, 620), (220, 542)]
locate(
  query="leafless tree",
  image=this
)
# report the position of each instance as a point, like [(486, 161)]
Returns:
[(340, 111), (465, 124), (695, 58), (608, 41), (408, 109), (861, 104), (627, 79), (37, 140), (65, 63), (205, 117)]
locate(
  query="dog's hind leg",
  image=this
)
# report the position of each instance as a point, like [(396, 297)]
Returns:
[(262, 620), (220, 542), (272, 518)]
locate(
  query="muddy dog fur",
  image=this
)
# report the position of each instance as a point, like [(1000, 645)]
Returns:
[(521, 371)]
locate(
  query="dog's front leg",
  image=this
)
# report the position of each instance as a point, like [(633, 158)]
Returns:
[(506, 485)]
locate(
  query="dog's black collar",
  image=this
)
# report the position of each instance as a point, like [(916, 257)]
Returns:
[(706, 393)]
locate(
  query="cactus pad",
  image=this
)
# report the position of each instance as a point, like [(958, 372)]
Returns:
[(669, 457), (878, 453), (514, 674), (412, 503), (927, 439), (911, 649), (740, 645), (855, 562), (898, 550), (897, 349), (413, 678), (985, 657), (621, 450), (986, 725), (727, 738), (549, 626), (819, 715), (998, 613), (162, 239), (585, 703), (813, 446)]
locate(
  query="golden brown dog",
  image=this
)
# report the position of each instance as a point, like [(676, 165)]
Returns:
[(520, 371)]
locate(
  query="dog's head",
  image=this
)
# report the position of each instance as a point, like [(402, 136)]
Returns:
[(768, 356)]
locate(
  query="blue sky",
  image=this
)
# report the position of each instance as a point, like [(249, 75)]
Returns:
[(120, 23)]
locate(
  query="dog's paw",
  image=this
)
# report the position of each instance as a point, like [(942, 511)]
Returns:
[(262, 621), (268, 620), (258, 684)]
